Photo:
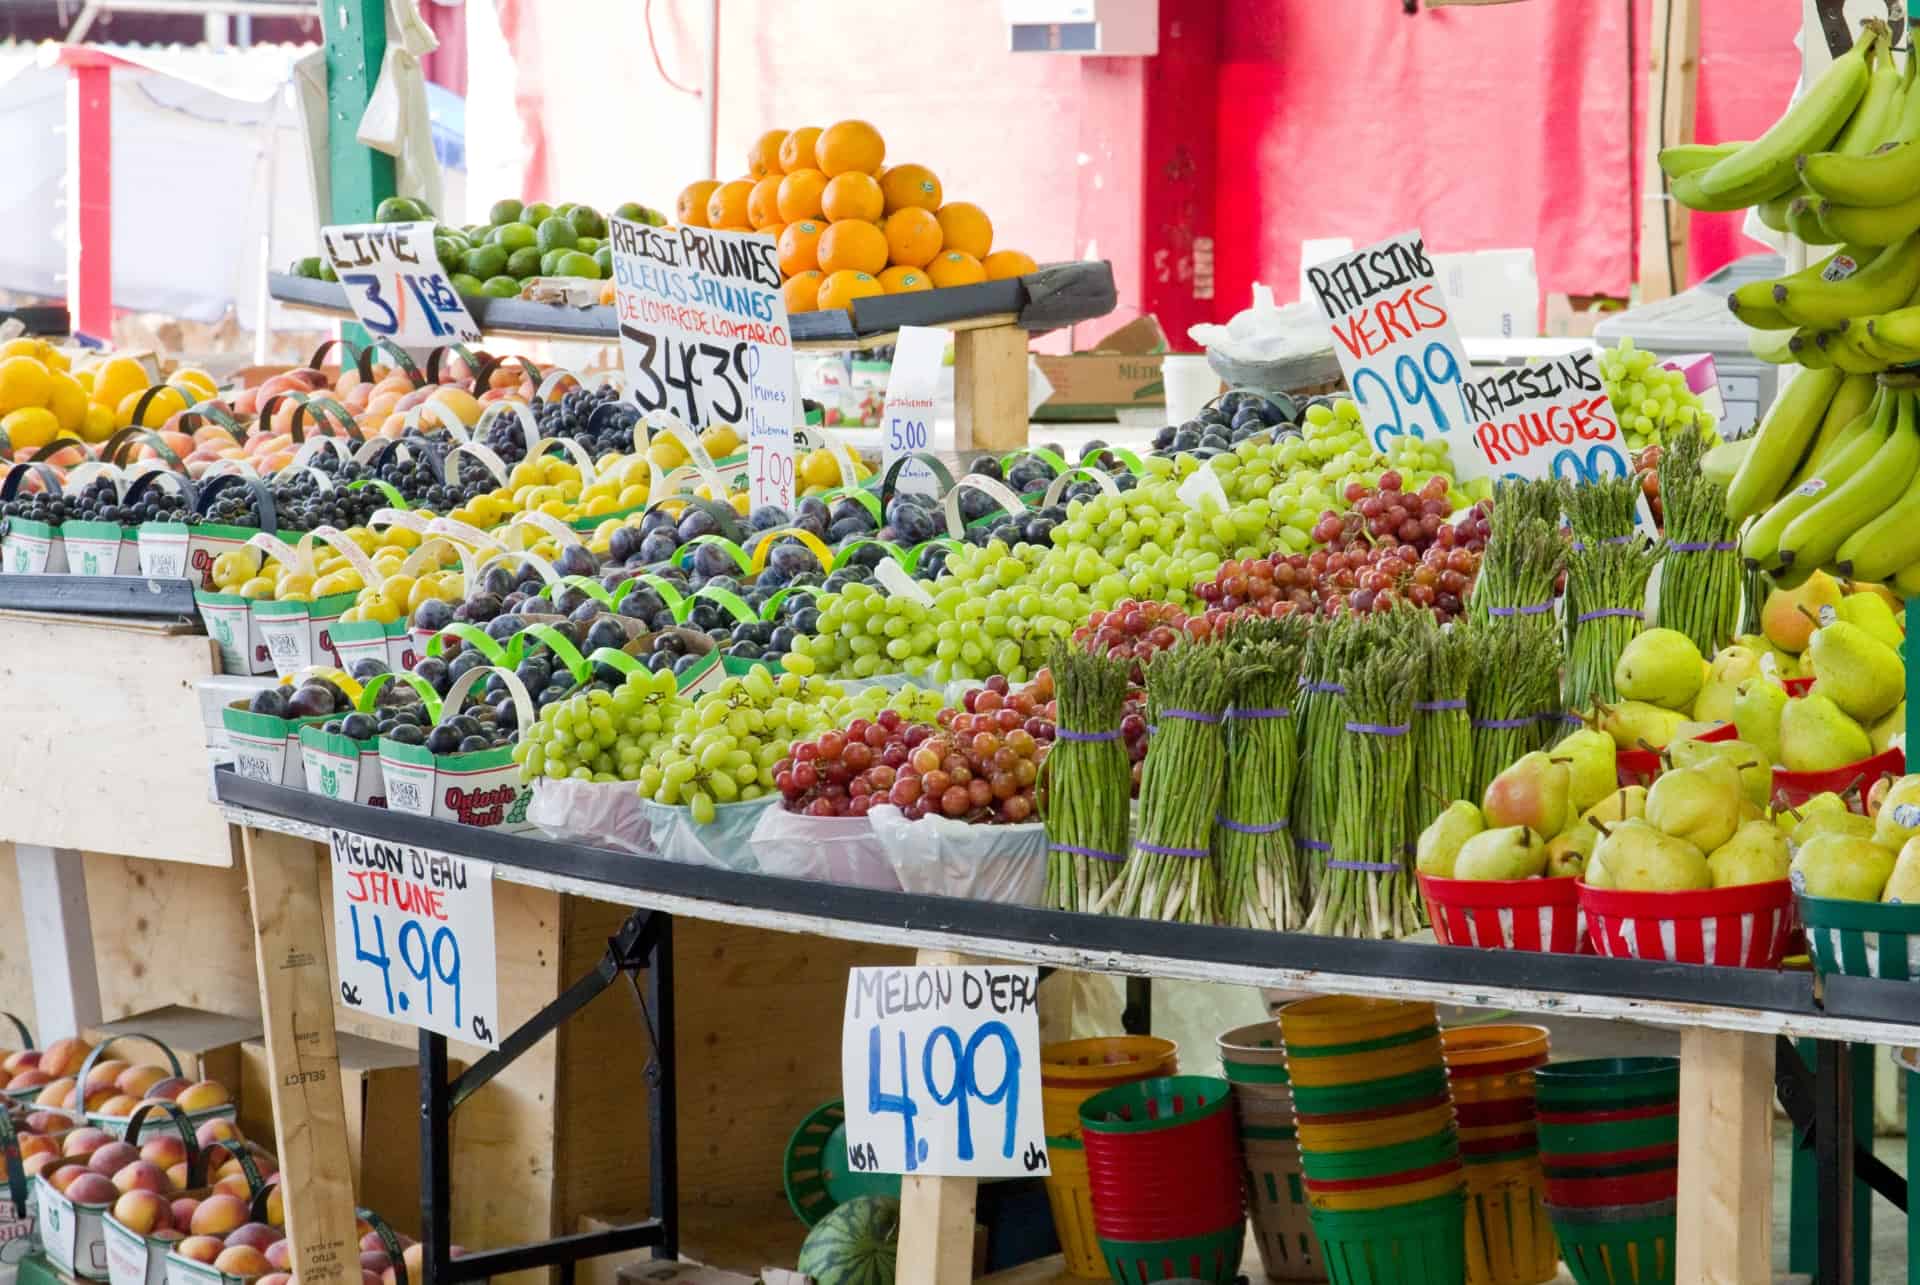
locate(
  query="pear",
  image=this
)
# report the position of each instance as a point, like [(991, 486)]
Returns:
[(1898, 817), (1698, 804), (1568, 853), (1632, 722), (1533, 793), (1816, 736), (1661, 667), (1596, 874), (1784, 663), (1757, 853), (1730, 667), (1789, 616), (1856, 671), (1589, 758), (1756, 773), (1439, 843), (1889, 731), (1757, 707), (1627, 801), (1903, 885), (1831, 821), (1872, 613), (1638, 857), (1841, 865), (1511, 852), (1750, 811)]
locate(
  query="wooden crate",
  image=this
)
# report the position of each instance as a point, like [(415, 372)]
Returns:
[(207, 1044)]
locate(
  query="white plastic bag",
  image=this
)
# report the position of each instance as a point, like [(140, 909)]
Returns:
[(722, 842), (1003, 863), (607, 814), (827, 849)]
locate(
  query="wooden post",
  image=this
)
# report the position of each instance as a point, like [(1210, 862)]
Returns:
[(66, 981), (1726, 1158), (1673, 66), (936, 1214), (990, 388), (288, 887)]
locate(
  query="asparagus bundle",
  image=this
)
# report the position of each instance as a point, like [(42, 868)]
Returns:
[(1513, 675), (1442, 728), (1600, 512), (1320, 711), (1086, 804), (1523, 560), (1260, 875), (1171, 873), (1609, 582), (1700, 588), (1369, 889)]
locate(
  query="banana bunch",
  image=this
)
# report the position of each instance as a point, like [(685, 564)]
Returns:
[(1833, 480)]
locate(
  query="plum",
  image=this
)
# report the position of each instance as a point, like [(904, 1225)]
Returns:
[(605, 632), (567, 598), (586, 611), (655, 519), (503, 627), (986, 466), (433, 615), (624, 544), (697, 522), (712, 560), (790, 558), (271, 702), (309, 700), (766, 517), (498, 581), (575, 560), (659, 546)]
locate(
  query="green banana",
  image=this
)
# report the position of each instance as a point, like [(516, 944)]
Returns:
[(1691, 158), (1780, 441), (1876, 118), (1848, 414), (1760, 544), (1803, 222), (1775, 347), (1773, 212), (1687, 191), (1861, 332), (1906, 581), (1825, 450), (1769, 163), (1813, 538), (1897, 329), (1887, 543), (1881, 285), (1759, 316), (1809, 351), (1848, 356), (1881, 175), (1872, 225)]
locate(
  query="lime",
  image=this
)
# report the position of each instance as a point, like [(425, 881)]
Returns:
[(398, 209), (631, 211), (536, 213), (514, 236), (556, 234), (604, 258), (587, 244), (308, 267), (486, 261), (507, 211), (450, 252), (327, 273), (575, 264), (563, 209), (467, 283), (524, 263), (587, 221), (500, 288), (477, 233), (550, 263)]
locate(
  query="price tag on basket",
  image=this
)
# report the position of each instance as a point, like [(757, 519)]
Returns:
[(1397, 346), (906, 419), (413, 936), (940, 1071), (395, 284), (704, 334), (1548, 419)]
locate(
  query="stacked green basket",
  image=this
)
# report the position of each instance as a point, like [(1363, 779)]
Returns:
[(1256, 1066), (1609, 1139)]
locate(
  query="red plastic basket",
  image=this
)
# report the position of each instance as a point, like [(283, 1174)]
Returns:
[(1640, 767), (1797, 686), (1505, 914), (1640, 1189), (1794, 788), (1747, 926)]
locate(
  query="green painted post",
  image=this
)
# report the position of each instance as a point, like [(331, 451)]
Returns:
[(360, 177), (1803, 1197), (1860, 1065), (1911, 653)]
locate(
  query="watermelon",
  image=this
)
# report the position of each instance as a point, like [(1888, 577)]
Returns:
[(855, 1244)]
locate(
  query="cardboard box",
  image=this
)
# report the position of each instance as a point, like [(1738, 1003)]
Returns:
[(380, 1084), (1121, 372), (652, 1273), (1494, 294), (207, 1044)]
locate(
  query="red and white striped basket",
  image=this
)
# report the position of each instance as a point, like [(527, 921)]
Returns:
[(1506, 914), (1748, 926)]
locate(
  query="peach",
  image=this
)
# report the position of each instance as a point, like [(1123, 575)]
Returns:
[(241, 1260), (276, 1207), (201, 1249), (62, 1176), (143, 1212), (116, 1103), (63, 1057), (371, 1243), (40, 1163), (92, 1189), (35, 1144), (203, 1096), (177, 1176), (255, 1235), (56, 1093), (212, 1131), (20, 1061), (95, 1099), (139, 1080), (280, 1255), (84, 1142), (50, 1121), (375, 1260), (106, 1073), (183, 1207), (110, 1158), (274, 1278), (163, 1149), (141, 1176), (238, 1188), (167, 1090), (28, 1077), (219, 1214)]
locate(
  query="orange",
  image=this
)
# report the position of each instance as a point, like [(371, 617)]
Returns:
[(1008, 263), (850, 145), (955, 268), (852, 244), (800, 246), (800, 193), (904, 280), (802, 291), (913, 236), (690, 208), (796, 153), (763, 158), (727, 207), (910, 184), (763, 202), (965, 227), (840, 289), (852, 196), (774, 230)]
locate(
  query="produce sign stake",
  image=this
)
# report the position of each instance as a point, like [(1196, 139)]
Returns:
[(1087, 800), (1701, 581), (1262, 882), (1171, 873), (1609, 581)]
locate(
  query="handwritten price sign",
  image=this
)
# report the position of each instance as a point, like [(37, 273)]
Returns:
[(1551, 419), (1397, 345), (395, 284), (940, 1070), (906, 420), (413, 933), (703, 333)]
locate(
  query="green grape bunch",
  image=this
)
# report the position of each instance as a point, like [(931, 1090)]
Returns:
[(1651, 402)]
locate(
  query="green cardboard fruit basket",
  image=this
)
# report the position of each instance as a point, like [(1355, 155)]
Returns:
[(1862, 938), (1618, 1244), (1423, 1243)]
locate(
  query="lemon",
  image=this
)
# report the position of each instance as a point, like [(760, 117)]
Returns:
[(195, 378), (97, 426), (116, 377), (258, 589), (24, 382), (30, 427), (68, 402), (162, 406)]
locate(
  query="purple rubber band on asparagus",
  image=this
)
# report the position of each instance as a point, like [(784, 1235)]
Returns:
[(1280, 712), (1237, 828), (1501, 724), (1194, 715), (1535, 610), (1380, 729), (1313, 845), (1157, 850), (1603, 612), (1435, 707)]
